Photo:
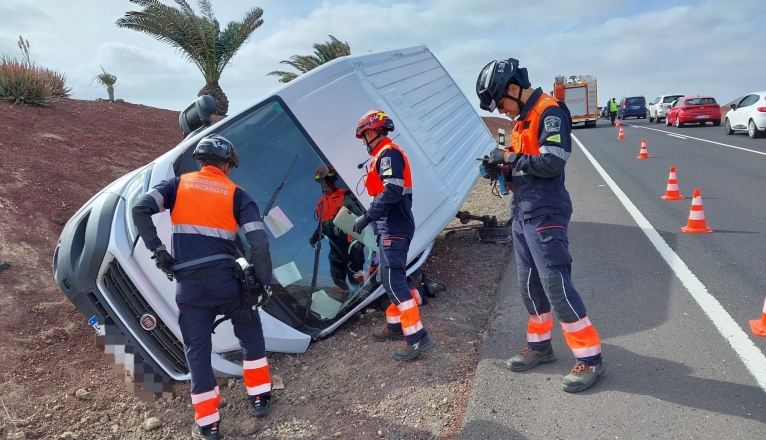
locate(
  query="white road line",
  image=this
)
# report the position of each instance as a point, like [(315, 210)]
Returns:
[(751, 356), (703, 140), (677, 136)]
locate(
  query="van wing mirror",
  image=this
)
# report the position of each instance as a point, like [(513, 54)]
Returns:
[(198, 114)]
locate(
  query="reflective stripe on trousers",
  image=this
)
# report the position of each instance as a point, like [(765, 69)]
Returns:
[(544, 269), (393, 263)]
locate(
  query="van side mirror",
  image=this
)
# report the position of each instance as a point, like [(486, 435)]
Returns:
[(198, 114)]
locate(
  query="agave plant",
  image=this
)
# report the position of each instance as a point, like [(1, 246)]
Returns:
[(107, 80), (323, 53), (198, 38)]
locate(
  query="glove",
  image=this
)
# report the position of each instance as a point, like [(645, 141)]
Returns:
[(313, 240), (495, 158), (360, 223), (164, 261)]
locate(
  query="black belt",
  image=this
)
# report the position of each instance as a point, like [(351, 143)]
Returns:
[(211, 272)]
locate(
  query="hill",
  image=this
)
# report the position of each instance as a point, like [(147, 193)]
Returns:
[(58, 384)]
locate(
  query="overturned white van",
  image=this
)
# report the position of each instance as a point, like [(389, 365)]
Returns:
[(103, 268)]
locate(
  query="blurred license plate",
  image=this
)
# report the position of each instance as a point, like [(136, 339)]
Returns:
[(703, 116)]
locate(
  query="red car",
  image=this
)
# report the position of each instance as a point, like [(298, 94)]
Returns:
[(694, 109)]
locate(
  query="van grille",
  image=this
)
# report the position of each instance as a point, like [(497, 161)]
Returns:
[(132, 305)]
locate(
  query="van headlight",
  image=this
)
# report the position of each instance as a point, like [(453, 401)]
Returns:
[(137, 187)]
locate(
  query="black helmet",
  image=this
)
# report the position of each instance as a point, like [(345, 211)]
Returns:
[(216, 147), (494, 79)]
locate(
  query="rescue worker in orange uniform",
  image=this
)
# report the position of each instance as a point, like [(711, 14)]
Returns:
[(346, 254), (206, 211), (389, 183), (541, 210)]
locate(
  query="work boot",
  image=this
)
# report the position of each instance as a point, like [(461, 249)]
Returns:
[(409, 352), (384, 334), (582, 377), (529, 358), (261, 406), (433, 285), (209, 431)]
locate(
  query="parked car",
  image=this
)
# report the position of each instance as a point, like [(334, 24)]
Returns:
[(101, 264), (748, 114), (694, 109), (659, 107), (633, 106)]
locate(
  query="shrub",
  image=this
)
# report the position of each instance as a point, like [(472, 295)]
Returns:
[(23, 83), (57, 81)]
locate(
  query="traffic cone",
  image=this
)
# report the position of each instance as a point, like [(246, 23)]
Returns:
[(696, 224), (617, 124), (621, 135), (644, 153), (672, 193), (759, 325)]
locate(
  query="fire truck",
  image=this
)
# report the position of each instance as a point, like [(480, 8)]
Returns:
[(581, 97)]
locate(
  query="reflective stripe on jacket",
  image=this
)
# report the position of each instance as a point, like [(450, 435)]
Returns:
[(541, 139), (374, 182), (203, 214)]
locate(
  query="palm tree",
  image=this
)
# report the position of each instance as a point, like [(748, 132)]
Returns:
[(198, 38), (107, 80), (323, 53)]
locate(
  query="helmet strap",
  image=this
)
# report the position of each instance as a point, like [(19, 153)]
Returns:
[(369, 144), (516, 99)]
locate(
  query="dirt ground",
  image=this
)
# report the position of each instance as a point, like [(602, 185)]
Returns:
[(56, 383)]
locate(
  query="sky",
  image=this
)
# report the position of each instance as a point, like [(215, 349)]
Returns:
[(642, 47)]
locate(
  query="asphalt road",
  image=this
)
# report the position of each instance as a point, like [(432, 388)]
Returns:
[(672, 309)]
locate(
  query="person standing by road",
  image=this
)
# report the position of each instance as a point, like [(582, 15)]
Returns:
[(389, 183), (613, 106), (206, 211), (541, 210)]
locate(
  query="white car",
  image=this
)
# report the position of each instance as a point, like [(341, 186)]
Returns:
[(103, 267), (658, 109), (748, 114)]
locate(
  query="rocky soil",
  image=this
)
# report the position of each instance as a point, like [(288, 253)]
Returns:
[(55, 382)]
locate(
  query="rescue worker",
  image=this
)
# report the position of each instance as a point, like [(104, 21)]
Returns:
[(346, 255), (389, 183), (541, 210), (206, 211), (613, 106)]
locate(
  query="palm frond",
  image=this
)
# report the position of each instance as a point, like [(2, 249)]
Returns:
[(323, 53)]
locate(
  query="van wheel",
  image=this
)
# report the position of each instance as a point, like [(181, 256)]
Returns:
[(752, 130), (727, 127)]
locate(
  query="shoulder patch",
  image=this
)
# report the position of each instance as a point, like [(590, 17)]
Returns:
[(385, 163), (555, 138), (552, 124)]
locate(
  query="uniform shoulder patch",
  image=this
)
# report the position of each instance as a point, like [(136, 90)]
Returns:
[(555, 138), (385, 163), (552, 124)]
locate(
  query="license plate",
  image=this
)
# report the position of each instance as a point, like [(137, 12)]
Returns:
[(93, 322), (703, 116)]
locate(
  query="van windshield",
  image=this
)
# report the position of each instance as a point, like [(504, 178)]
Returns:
[(635, 101), (267, 140)]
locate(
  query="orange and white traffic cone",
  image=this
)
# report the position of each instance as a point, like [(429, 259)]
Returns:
[(672, 193), (759, 325), (621, 136), (617, 124), (644, 153), (696, 223)]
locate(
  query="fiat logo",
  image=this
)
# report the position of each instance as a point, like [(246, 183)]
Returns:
[(148, 322)]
